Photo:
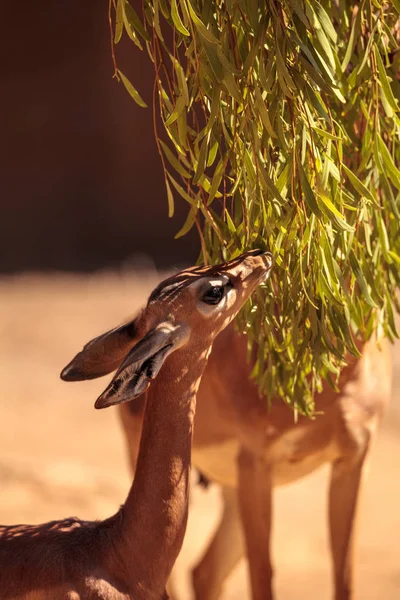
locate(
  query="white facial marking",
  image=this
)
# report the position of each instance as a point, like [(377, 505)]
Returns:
[(205, 283)]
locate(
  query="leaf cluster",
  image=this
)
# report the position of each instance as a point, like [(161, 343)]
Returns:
[(281, 130)]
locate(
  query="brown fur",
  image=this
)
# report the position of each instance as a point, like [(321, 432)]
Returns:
[(273, 448), (58, 553)]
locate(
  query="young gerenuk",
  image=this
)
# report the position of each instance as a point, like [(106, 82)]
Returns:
[(130, 555)]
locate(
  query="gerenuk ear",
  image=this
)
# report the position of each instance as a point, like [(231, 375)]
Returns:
[(142, 364), (103, 354)]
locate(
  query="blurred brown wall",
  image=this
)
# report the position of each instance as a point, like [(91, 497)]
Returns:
[(81, 182)]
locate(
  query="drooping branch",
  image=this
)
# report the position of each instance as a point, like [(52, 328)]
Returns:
[(281, 128)]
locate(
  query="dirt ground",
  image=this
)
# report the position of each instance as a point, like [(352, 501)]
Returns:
[(59, 457)]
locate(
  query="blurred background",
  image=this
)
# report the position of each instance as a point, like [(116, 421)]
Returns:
[(82, 184), (84, 237)]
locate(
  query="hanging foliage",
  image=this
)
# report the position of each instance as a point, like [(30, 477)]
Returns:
[(281, 130)]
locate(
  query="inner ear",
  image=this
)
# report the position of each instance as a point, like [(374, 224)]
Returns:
[(151, 367), (142, 364), (103, 354)]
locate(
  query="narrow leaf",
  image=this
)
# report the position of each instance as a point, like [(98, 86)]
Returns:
[(181, 191), (188, 224), (202, 159), (216, 180), (133, 21), (170, 199), (383, 79), (357, 270), (179, 107), (308, 193), (359, 186), (264, 113), (174, 162), (392, 171), (352, 40), (119, 22), (326, 22), (131, 90), (177, 19)]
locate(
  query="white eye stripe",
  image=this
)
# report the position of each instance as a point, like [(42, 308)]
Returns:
[(217, 282), (207, 282)]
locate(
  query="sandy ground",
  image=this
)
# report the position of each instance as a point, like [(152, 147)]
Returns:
[(59, 457)]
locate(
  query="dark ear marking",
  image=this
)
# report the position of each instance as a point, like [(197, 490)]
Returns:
[(141, 365), (102, 355), (152, 366)]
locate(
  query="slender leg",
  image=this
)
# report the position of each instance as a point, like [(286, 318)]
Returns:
[(224, 552), (344, 493), (255, 497)]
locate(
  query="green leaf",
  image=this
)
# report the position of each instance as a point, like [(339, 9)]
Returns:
[(179, 108), (367, 51), (213, 59), (326, 134), (269, 186), (352, 40), (164, 8), (326, 22), (132, 21), (232, 87), (343, 325), (383, 236), (177, 19), (181, 191), (228, 66), (131, 90), (216, 180), (326, 47), (201, 163), (170, 199), (215, 107), (395, 257), (328, 292), (283, 179), (357, 270), (383, 80), (183, 88), (182, 128), (201, 28), (266, 73), (331, 211), (285, 80), (359, 186), (119, 22), (174, 162), (315, 76), (392, 171), (157, 21), (212, 154), (230, 223), (389, 312), (264, 113), (188, 224), (307, 192)]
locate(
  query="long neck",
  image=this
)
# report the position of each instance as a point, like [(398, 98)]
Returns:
[(155, 513)]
